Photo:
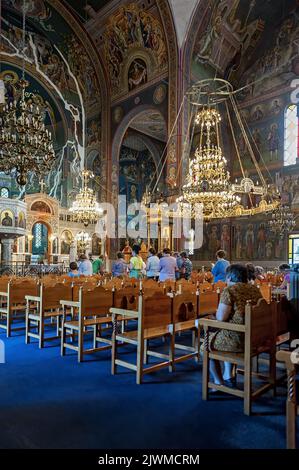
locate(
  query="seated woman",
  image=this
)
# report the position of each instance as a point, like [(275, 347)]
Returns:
[(231, 309), (73, 270)]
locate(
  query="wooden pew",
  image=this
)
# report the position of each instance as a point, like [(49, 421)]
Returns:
[(44, 307), (154, 317), (185, 310), (14, 303), (208, 302), (92, 310)]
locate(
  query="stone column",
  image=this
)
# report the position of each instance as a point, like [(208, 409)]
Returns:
[(6, 244)]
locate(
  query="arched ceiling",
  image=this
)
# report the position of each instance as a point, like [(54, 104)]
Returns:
[(84, 9), (234, 34)]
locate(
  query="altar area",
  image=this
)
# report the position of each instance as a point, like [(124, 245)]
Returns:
[(39, 230)]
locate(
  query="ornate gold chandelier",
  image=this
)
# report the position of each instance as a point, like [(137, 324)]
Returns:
[(207, 182), (85, 208), (282, 221), (25, 143)]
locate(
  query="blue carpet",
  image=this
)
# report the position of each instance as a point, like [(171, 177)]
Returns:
[(48, 401)]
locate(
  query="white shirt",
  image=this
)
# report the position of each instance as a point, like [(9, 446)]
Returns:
[(85, 268), (152, 266)]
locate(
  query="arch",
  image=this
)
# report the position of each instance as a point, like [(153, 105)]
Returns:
[(101, 73), (125, 123), (41, 232), (66, 239), (41, 206), (120, 133), (31, 72), (147, 57)]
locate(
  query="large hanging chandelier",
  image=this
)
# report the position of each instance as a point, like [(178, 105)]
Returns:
[(282, 221), (207, 181), (25, 143), (85, 208)]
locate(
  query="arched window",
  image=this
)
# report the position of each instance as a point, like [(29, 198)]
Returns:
[(4, 192), (291, 135)]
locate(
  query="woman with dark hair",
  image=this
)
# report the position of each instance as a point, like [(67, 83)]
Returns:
[(251, 272), (73, 270), (231, 309), (136, 263)]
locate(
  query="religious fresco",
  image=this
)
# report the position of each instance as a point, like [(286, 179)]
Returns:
[(137, 168), (65, 80), (135, 48), (225, 36), (243, 240)]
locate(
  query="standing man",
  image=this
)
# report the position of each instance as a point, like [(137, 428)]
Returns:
[(219, 268)]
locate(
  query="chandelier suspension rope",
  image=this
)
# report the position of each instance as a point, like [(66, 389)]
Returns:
[(236, 148), (240, 122)]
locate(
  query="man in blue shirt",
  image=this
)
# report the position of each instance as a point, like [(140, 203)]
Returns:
[(219, 268)]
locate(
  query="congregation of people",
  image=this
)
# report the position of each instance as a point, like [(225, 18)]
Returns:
[(158, 266), (167, 265)]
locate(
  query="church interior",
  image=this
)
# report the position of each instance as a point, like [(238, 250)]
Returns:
[(149, 224)]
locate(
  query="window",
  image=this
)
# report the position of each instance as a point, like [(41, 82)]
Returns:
[(291, 135), (294, 249), (4, 192)]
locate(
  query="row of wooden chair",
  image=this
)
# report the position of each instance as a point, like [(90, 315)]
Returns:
[(161, 315)]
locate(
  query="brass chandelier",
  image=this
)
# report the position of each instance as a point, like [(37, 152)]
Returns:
[(207, 182), (282, 221), (85, 208), (25, 143)]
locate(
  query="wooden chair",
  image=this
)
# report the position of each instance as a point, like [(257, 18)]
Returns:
[(208, 302), (92, 310), (149, 284), (292, 408), (206, 286), (259, 332), (185, 308), (266, 291), (219, 286), (14, 303), (41, 309), (154, 317)]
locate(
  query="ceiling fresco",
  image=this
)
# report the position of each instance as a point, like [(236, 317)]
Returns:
[(151, 124), (85, 8), (56, 58), (234, 34)]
